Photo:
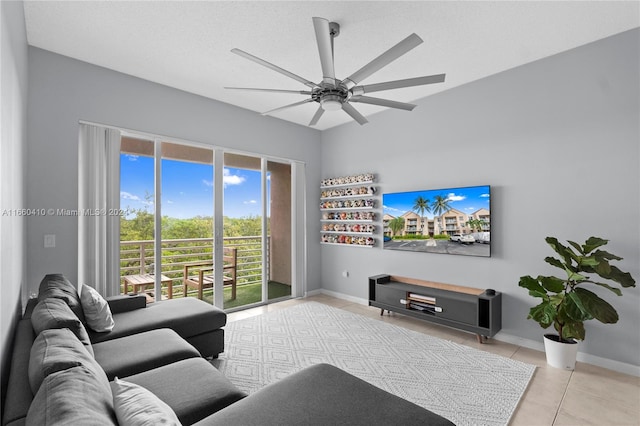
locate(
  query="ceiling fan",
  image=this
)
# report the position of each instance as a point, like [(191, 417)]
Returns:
[(333, 94)]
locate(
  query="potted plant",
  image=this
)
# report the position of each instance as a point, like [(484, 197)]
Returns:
[(566, 303)]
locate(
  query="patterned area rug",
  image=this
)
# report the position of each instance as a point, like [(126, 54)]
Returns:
[(465, 385)]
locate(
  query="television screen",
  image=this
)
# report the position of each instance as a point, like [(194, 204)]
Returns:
[(449, 221)]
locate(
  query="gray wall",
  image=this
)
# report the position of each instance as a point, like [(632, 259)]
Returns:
[(556, 139), (13, 112), (63, 91)]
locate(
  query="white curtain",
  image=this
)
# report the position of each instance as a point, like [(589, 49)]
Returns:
[(98, 204)]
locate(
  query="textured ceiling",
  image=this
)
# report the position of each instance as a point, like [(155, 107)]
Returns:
[(187, 45)]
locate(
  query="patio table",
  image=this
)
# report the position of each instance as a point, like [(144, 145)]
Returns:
[(144, 280)]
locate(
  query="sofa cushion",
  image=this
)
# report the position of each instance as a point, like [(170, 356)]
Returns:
[(323, 395), (55, 350), (58, 286), (75, 396), (55, 313), (193, 388), (137, 406), (96, 310), (186, 316), (141, 352)]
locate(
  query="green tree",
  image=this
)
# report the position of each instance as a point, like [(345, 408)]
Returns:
[(396, 224), (440, 205), (420, 206), (243, 227), (476, 224)]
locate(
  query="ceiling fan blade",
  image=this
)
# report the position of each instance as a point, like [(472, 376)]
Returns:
[(397, 84), (354, 113), (274, 67), (325, 48), (299, 92), (316, 116), (383, 60), (382, 102), (288, 106)]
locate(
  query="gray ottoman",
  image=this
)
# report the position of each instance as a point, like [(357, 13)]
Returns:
[(323, 395)]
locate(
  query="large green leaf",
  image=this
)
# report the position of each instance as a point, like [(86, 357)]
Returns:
[(555, 262), (576, 246), (603, 268), (589, 261), (552, 284), (574, 308), (573, 330), (623, 278), (593, 243), (598, 308), (601, 254), (534, 287), (575, 276), (566, 253), (607, 286), (544, 314)]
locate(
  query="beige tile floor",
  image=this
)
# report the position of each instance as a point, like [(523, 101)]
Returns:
[(589, 395)]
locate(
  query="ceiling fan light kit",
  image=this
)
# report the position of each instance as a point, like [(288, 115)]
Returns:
[(333, 94)]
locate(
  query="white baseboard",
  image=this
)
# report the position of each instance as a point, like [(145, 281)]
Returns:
[(621, 367), (346, 297)]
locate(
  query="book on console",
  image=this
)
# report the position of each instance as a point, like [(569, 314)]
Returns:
[(423, 298)]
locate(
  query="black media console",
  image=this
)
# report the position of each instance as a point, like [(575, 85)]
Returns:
[(465, 308)]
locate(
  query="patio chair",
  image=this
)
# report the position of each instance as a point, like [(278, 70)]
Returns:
[(199, 275)]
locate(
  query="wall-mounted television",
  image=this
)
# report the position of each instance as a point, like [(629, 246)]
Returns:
[(448, 221)]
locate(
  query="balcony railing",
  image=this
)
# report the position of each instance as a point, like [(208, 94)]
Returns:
[(137, 257)]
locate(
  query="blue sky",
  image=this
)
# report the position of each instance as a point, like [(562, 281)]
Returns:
[(187, 188), (466, 200)]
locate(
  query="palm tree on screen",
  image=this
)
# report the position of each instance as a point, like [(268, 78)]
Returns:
[(396, 225), (420, 206), (440, 205)]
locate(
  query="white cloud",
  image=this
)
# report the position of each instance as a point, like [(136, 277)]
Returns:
[(454, 197), (169, 202), (391, 209), (128, 196), (485, 195), (207, 183), (229, 179), (131, 197), (251, 202), (132, 157)]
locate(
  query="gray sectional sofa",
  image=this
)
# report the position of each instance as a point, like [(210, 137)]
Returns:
[(151, 363)]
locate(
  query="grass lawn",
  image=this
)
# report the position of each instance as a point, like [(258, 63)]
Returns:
[(250, 293)]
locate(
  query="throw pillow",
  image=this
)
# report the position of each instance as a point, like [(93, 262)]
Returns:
[(54, 313), (137, 406), (96, 310), (75, 396), (58, 286), (56, 350)]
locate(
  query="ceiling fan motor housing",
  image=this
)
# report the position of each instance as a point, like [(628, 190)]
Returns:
[(331, 98)]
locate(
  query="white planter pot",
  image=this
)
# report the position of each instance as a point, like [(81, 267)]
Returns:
[(560, 355)]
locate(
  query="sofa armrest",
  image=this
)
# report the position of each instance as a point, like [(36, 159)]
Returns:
[(124, 303)]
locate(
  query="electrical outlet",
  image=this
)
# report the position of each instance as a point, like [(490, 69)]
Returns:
[(49, 240)]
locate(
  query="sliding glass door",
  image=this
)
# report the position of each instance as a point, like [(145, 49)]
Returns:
[(243, 243), (205, 223), (187, 189)]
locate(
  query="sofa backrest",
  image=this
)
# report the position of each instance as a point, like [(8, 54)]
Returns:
[(58, 286), (19, 396)]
